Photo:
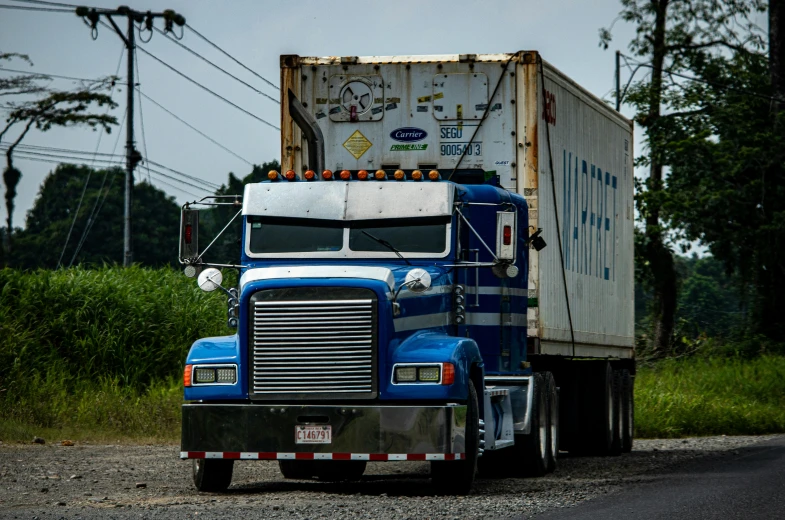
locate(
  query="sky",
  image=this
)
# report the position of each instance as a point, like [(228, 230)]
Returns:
[(256, 33)]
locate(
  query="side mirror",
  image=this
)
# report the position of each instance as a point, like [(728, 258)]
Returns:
[(506, 236), (210, 279), (189, 235)]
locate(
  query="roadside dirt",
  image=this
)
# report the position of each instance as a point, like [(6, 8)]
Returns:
[(119, 481)]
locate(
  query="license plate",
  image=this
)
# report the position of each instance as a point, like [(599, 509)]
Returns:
[(313, 434)]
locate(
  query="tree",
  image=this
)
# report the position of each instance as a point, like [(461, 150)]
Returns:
[(51, 108), (726, 184), (674, 36), (40, 244), (226, 250)]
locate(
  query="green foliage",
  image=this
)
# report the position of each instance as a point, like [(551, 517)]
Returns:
[(129, 326), (156, 222), (731, 396), (726, 187)]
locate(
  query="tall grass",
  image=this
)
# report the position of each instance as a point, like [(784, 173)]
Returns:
[(722, 395), (98, 354), (85, 346)]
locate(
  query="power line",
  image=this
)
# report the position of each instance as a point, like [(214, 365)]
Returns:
[(224, 148), (43, 75), (141, 118), (71, 151), (60, 159), (185, 76), (42, 2), (35, 9), (173, 40), (148, 98), (200, 35), (64, 153)]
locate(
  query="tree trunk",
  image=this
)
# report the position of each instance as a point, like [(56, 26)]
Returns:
[(777, 49), (659, 255)]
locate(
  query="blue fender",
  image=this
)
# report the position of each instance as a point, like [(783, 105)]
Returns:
[(221, 349), (432, 347)]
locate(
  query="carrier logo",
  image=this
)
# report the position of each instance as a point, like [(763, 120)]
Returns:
[(408, 135)]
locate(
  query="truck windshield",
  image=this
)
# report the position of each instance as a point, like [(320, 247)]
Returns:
[(420, 236), (276, 235)]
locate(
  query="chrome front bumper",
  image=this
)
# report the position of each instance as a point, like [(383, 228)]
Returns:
[(246, 428)]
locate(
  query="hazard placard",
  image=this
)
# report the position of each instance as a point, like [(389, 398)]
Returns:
[(357, 144)]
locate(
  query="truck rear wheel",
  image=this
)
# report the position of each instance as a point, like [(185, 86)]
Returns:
[(618, 416), (212, 474), (457, 477), (531, 451), (627, 411), (553, 421), (595, 409)]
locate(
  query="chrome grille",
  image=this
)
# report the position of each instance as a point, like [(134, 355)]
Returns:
[(307, 347)]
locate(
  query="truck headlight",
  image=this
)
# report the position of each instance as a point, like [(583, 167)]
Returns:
[(425, 373), (405, 374), (214, 375)]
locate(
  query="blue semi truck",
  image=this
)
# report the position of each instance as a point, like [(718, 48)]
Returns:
[(438, 298)]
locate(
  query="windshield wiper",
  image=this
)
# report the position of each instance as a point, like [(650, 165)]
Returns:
[(387, 245)]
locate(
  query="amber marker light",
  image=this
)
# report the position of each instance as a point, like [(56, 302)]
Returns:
[(434, 175), (327, 175), (448, 373), (362, 175), (290, 175), (380, 175), (399, 175), (346, 175), (187, 375), (272, 175), (309, 175), (417, 175)]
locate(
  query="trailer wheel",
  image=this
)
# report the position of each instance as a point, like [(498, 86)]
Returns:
[(627, 411), (553, 421), (595, 409), (297, 469), (457, 477), (618, 415), (531, 451), (212, 474)]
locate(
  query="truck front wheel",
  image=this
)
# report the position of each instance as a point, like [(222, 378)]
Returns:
[(457, 477), (212, 474)]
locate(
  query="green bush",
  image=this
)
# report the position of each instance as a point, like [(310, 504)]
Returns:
[(722, 395), (85, 347)]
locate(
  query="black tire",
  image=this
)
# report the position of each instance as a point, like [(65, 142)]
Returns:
[(457, 477), (618, 416), (212, 474), (627, 411), (531, 451), (297, 469), (553, 421), (595, 409)]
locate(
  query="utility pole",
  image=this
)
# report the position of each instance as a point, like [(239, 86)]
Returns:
[(132, 156)]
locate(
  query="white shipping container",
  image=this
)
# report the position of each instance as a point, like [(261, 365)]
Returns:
[(427, 112)]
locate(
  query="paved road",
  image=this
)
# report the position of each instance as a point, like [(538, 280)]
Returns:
[(749, 484)]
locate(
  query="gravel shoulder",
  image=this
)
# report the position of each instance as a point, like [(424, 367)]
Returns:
[(133, 481)]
